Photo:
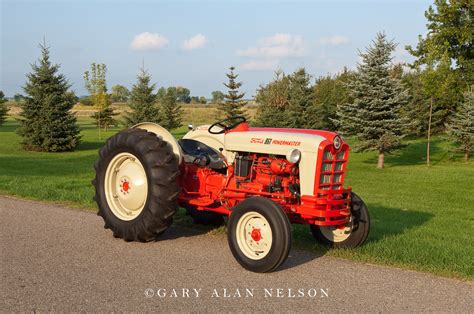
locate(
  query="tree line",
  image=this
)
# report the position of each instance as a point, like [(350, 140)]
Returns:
[(379, 102)]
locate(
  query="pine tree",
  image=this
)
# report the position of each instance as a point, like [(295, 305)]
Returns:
[(461, 127), (143, 101), (105, 118), (233, 104), (46, 123), (171, 111), (373, 115), (272, 100), (3, 108), (300, 99)]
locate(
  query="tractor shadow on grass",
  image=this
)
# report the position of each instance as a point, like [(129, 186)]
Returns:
[(386, 222), (90, 146), (389, 222)]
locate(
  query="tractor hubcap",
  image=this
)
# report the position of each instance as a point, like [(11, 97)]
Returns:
[(126, 186), (254, 235), (337, 233)]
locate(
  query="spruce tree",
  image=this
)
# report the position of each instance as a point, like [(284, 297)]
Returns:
[(3, 108), (272, 100), (142, 101), (171, 111), (46, 123), (373, 115), (233, 104), (461, 127), (300, 99)]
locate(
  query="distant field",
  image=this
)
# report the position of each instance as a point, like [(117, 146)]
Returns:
[(196, 114), (422, 218)]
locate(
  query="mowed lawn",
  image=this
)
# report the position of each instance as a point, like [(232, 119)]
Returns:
[(422, 217)]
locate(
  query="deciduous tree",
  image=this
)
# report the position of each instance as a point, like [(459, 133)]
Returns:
[(3, 108), (119, 93), (217, 97), (450, 31), (95, 82)]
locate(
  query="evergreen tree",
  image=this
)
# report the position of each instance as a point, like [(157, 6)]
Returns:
[(171, 111), (46, 123), (105, 118), (3, 108), (233, 104), (273, 102), (160, 95), (461, 127), (95, 82), (143, 101), (300, 99), (374, 114)]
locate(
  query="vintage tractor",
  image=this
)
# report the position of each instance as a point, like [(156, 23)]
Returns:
[(261, 179)]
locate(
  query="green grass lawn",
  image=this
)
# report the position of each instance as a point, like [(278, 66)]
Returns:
[(422, 217)]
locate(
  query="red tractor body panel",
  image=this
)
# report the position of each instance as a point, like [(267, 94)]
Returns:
[(273, 176)]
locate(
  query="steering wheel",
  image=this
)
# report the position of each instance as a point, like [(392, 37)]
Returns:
[(225, 126)]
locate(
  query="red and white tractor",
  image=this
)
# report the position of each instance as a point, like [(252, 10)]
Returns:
[(262, 179)]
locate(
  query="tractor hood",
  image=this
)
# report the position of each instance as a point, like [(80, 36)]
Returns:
[(275, 140)]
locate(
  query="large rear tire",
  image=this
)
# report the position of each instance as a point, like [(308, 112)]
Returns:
[(136, 185), (353, 234), (259, 234)]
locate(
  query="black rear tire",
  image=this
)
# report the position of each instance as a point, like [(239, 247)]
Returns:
[(360, 229), (281, 235), (162, 170)]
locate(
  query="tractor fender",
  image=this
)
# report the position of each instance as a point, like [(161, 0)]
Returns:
[(164, 134)]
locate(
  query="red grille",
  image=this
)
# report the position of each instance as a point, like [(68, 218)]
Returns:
[(333, 166)]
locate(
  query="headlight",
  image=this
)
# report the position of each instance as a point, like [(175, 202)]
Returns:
[(293, 156), (337, 142)]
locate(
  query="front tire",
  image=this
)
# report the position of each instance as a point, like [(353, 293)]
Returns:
[(136, 185), (353, 234), (259, 234)]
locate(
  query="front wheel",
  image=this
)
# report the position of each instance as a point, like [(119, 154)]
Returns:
[(352, 234), (259, 234)]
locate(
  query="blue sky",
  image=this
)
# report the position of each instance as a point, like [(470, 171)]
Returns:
[(192, 43)]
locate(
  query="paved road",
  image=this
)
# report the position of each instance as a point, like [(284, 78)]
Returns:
[(55, 258)]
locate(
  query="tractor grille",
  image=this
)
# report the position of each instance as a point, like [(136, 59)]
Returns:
[(332, 169)]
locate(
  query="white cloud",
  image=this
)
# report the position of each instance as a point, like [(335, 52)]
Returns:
[(335, 40), (260, 65), (195, 42), (277, 46), (149, 41)]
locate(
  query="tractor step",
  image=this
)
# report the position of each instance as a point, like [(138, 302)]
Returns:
[(201, 202)]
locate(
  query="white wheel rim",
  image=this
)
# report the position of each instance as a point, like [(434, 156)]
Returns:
[(337, 234), (254, 235), (126, 186)]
